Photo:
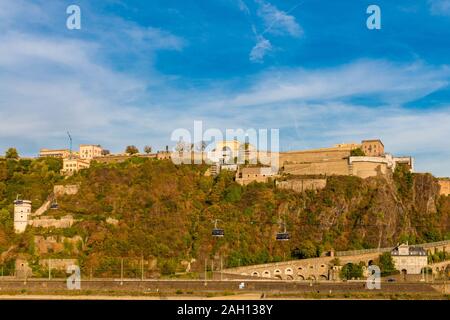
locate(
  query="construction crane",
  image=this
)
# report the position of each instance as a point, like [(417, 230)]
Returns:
[(70, 141)]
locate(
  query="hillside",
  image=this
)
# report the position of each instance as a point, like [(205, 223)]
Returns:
[(166, 214)]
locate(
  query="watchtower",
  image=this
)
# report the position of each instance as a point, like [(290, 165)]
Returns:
[(22, 209)]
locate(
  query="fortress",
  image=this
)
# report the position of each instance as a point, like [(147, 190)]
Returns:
[(363, 160)]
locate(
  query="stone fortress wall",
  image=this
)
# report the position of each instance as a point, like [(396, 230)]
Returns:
[(301, 185), (444, 183)]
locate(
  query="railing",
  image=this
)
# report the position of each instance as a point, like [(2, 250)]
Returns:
[(359, 252), (381, 250)]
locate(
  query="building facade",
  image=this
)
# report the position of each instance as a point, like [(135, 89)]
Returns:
[(338, 160), (247, 175), (89, 151), (409, 259), (57, 153), (373, 148), (72, 165)]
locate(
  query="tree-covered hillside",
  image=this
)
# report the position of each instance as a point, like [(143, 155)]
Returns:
[(166, 214)]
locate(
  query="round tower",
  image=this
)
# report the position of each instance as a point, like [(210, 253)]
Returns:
[(22, 209)]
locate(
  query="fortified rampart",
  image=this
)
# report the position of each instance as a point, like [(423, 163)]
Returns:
[(444, 183), (58, 264), (300, 185), (48, 222)]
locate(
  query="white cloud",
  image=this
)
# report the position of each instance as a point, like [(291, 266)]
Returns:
[(259, 51), (393, 83), (51, 84), (277, 21)]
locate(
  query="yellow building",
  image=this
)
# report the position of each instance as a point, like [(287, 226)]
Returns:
[(373, 148), (89, 151), (227, 151), (72, 165), (57, 153), (248, 175)]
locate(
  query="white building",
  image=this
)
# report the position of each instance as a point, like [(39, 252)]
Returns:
[(89, 151), (409, 259), (22, 209), (233, 152)]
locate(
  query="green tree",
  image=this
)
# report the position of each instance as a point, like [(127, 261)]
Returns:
[(233, 193), (131, 150), (12, 153), (351, 271), (386, 264), (148, 149), (357, 153), (306, 250)]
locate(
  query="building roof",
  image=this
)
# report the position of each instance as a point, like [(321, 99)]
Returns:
[(19, 201), (373, 140), (53, 150), (90, 145), (257, 170), (412, 251)]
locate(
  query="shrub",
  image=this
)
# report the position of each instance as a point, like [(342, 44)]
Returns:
[(357, 153)]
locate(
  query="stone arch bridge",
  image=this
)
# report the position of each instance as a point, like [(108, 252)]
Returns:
[(321, 268)]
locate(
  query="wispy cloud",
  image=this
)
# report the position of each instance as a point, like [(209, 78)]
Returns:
[(274, 22), (259, 51), (53, 82), (277, 21), (388, 82), (243, 6)]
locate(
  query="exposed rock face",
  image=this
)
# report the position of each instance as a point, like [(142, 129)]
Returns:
[(65, 190), (56, 244)]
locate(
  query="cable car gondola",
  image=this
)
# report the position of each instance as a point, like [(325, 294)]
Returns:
[(217, 232), (54, 206), (283, 236)]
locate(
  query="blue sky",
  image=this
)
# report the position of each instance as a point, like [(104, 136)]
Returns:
[(137, 70)]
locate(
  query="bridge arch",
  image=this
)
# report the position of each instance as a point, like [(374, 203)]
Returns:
[(323, 277), (289, 271), (255, 274), (266, 274)]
